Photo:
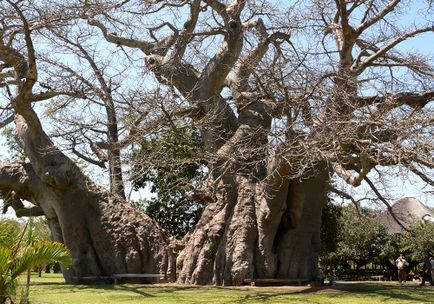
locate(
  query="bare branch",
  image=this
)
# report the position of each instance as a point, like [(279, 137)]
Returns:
[(365, 167), (379, 16), (384, 201), (347, 196), (415, 100), (6, 121), (364, 64)]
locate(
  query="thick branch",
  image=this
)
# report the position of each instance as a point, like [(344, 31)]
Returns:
[(185, 35), (348, 177), (218, 67), (145, 47), (379, 16), (238, 80), (18, 177), (422, 176), (32, 75), (363, 65), (347, 196), (409, 98), (50, 94), (6, 121)]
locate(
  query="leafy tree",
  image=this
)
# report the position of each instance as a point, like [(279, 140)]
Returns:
[(17, 256), (360, 238), (175, 206), (418, 243), (330, 234)]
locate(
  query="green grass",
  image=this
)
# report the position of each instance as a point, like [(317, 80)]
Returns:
[(50, 289)]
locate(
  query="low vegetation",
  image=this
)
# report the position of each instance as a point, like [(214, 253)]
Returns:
[(19, 252)]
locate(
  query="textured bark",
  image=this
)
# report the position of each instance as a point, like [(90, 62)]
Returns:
[(248, 233), (104, 234)]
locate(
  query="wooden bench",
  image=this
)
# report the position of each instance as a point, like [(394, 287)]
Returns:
[(119, 276), (92, 280), (272, 281), (377, 277)]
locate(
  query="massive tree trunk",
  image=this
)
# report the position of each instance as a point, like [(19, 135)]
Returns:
[(104, 234), (248, 232)]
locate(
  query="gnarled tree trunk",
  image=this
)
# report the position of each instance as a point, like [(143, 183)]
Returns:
[(248, 232), (104, 234)]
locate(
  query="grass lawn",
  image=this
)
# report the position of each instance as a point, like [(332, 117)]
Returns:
[(50, 289)]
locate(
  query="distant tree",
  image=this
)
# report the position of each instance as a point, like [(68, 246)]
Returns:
[(418, 243), (330, 234), (176, 207), (361, 238)]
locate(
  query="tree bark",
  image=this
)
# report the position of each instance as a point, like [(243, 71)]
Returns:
[(248, 232), (104, 234)]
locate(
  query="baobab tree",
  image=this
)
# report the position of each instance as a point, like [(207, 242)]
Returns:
[(285, 98), (280, 119), (104, 234)]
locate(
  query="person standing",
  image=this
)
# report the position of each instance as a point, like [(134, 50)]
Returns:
[(400, 263), (431, 260), (427, 271)]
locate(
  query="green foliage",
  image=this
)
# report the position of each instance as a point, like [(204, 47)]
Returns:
[(20, 251), (330, 227), (349, 236), (418, 243), (364, 237), (171, 169), (360, 238)]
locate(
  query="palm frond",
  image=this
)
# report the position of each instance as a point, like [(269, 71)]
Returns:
[(40, 253)]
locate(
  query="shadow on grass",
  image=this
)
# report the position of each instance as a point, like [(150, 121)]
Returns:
[(152, 290), (390, 292), (413, 294), (386, 292)]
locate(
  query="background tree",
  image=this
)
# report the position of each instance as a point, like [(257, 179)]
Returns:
[(175, 206), (418, 243), (363, 238)]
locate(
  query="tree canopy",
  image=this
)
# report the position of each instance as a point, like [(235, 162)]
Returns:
[(288, 100)]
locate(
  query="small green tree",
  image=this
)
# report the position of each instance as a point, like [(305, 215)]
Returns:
[(358, 237), (418, 243), (17, 256), (330, 235), (172, 179)]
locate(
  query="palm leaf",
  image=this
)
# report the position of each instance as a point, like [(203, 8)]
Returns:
[(8, 234), (40, 253)]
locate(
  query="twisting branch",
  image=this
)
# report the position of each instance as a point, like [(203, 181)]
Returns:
[(379, 16), (364, 64), (145, 47), (347, 196), (348, 177)]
